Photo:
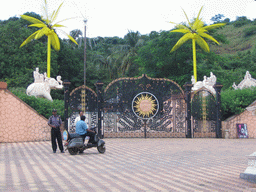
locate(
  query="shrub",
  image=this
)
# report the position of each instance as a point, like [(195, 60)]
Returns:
[(227, 21), (221, 38), (250, 31), (41, 105), (240, 21), (235, 101)]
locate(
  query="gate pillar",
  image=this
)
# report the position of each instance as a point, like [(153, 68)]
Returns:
[(188, 87), (99, 86), (217, 88), (66, 84)]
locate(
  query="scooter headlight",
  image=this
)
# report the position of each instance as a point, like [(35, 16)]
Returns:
[(65, 135)]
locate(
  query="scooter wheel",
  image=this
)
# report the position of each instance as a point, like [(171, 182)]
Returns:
[(101, 148), (73, 151)]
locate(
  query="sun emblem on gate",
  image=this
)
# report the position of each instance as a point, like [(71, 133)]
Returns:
[(145, 105)]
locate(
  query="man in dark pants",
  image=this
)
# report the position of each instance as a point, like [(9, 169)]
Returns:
[(55, 123)]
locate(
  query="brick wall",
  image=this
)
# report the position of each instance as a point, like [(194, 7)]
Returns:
[(248, 117), (18, 121)]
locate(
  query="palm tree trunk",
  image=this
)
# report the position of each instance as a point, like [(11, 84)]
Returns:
[(49, 56), (194, 58)]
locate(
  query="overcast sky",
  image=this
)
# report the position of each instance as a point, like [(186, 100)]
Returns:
[(109, 18)]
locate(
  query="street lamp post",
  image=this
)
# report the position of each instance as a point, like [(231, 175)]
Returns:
[(66, 84), (85, 21)]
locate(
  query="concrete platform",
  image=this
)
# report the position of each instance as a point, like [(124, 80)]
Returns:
[(129, 165)]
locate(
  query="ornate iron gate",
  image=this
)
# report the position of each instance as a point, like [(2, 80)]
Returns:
[(159, 102), (85, 99), (143, 106), (204, 114)]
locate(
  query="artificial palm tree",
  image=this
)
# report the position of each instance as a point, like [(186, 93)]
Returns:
[(195, 31), (47, 28)]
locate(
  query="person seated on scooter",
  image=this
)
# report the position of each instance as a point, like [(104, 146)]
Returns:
[(83, 131), (78, 118)]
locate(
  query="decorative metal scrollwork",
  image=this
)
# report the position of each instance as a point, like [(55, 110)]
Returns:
[(160, 100), (204, 112), (83, 99)]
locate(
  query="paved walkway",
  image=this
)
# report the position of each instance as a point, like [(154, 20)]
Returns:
[(129, 165)]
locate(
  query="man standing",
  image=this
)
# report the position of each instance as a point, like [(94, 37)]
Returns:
[(82, 130), (55, 123)]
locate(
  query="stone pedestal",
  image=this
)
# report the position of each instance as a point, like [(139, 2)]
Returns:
[(250, 172)]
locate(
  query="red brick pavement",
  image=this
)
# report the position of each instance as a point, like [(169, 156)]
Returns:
[(129, 165)]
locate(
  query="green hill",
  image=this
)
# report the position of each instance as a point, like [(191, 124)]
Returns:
[(238, 39)]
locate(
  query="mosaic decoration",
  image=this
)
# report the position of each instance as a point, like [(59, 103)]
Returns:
[(145, 105)]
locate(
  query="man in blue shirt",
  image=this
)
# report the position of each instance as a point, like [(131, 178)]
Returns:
[(83, 131)]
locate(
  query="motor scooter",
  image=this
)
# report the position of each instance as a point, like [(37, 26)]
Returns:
[(74, 143)]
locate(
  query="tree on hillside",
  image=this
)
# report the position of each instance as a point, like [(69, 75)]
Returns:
[(101, 55), (77, 35), (125, 54), (217, 18), (240, 21), (154, 58), (195, 31), (108, 64)]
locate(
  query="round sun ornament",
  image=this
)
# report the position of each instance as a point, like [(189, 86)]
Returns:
[(145, 105)]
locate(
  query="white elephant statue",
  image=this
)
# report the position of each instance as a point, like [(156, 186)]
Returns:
[(43, 88)]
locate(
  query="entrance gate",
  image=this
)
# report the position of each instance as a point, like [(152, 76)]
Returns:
[(85, 99), (145, 107), (204, 114), (159, 102)]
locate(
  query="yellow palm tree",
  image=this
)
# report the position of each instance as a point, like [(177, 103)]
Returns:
[(47, 28), (195, 31)]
